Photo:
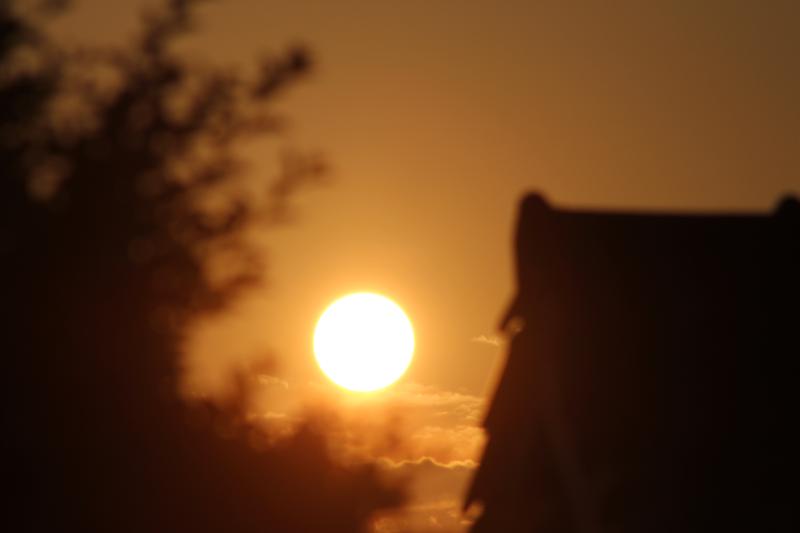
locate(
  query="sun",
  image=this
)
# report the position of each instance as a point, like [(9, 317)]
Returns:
[(364, 342)]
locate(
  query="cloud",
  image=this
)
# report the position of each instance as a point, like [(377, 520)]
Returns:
[(427, 463), (372, 435), (436, 457), (436, 491), (491, 340), (445, 444), (272, 381), (425, 437), (276, 425), (407, 422), (460, 405), (440, 424)]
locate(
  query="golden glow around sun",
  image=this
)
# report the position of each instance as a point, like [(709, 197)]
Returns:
[(363, 342)]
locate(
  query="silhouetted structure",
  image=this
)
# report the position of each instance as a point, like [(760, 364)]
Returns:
[(650, 386)]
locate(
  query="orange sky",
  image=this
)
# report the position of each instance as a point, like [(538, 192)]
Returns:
[(436, 115)]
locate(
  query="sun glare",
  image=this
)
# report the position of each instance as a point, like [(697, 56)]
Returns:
[(363, 342)]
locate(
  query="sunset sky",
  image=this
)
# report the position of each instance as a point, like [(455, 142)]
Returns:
[(435, 117)]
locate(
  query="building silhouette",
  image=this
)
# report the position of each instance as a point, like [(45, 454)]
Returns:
[(649, 385)]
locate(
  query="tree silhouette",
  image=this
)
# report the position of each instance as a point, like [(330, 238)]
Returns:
[(118, 204)]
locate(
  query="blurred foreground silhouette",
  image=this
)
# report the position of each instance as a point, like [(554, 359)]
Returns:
[(120, 223), (650, 384)]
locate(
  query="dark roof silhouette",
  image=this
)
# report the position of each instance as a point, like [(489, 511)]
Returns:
[(649, 383)]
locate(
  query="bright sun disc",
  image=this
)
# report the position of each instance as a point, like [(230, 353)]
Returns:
[(363, 342)]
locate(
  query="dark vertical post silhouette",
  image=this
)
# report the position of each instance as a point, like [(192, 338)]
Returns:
[(649, 384)]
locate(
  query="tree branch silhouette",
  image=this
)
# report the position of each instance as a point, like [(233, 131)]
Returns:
[(118, 194)]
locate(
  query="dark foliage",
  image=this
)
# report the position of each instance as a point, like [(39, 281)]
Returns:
[(117, 195)]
